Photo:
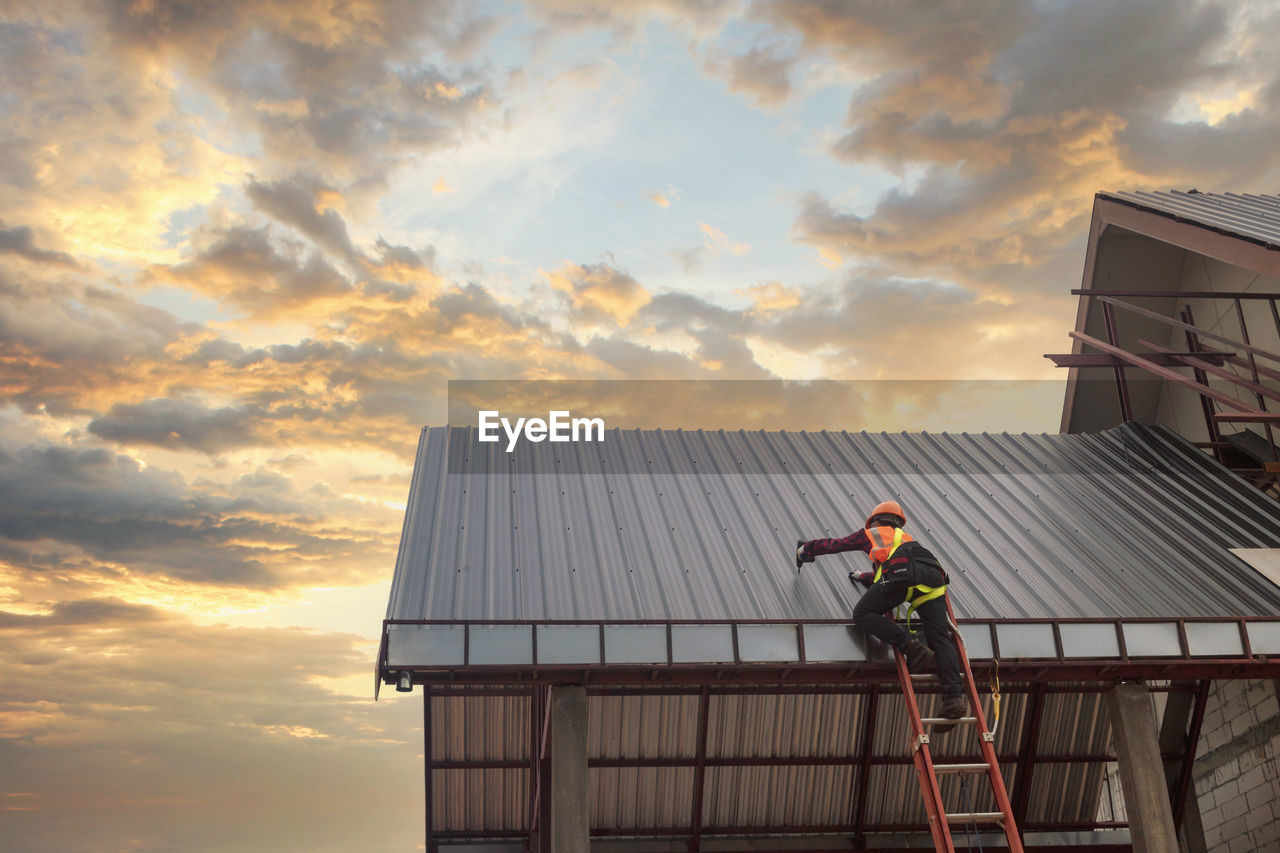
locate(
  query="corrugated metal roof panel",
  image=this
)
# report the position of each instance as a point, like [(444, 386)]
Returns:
[(1253, 217), (1129, 522)]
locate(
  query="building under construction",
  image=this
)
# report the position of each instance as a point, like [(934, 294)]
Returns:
[(616, 653)]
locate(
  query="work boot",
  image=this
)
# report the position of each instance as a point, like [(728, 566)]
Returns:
[(953, 708), (919, 656)]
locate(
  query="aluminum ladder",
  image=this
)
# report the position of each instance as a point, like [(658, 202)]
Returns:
[(940, 820)]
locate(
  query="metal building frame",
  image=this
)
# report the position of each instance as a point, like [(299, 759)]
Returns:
[(1184, 673), (1203, 361)]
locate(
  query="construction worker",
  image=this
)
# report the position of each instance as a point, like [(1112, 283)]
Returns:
[(903, 570)]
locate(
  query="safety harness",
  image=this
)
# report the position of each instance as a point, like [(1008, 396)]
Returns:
[(917, 594)]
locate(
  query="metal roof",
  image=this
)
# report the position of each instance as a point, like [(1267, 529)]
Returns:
[(669, 525), (1132, 522), (1252, 217)]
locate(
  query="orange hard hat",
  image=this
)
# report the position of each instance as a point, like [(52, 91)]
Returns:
[(887, 508)]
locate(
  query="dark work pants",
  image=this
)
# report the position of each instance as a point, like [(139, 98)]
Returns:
[(868, 614)]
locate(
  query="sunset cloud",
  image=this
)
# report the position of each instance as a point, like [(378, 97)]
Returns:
[(187, 723), (598, 291), (1001, 123), (716, 241), (763, 73)]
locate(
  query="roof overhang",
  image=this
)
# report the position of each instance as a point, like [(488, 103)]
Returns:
[(450, 653), (1128, 213)]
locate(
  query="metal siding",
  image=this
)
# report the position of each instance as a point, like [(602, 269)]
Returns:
[(894, 797), (640, 798), (480, 799), (1068, 791), (1130, 522), (479, 728), (1254, 217), (777, 796), (659, 726), (893, 735), (785, 726)]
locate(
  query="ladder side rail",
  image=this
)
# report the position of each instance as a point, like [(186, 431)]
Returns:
[(938, 826), (985, 741)]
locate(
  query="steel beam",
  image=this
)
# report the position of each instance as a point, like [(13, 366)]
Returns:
[(1122, 385), (1186, 804), (1097, 359), (1191, 361), (699, 771), (1253, 367), (427, 767), (777, 761), (1027, 755), (1165, 373), (1206, 405), (859, 816), (1178, 294), (1204, 333)]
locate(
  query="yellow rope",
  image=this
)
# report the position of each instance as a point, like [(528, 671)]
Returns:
[(995, 696)]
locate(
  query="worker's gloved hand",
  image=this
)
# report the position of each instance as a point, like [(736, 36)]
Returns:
[(802, 553), (863, 578)]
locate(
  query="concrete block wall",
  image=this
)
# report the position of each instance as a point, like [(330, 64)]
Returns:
[(1237, 769)]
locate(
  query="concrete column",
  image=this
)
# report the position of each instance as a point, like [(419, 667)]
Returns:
[(1146, 798), (570, 818)]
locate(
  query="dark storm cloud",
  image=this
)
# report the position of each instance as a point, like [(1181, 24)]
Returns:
[(20, 241)]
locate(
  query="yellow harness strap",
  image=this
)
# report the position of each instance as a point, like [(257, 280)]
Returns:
[(917, 594), (925, 593)]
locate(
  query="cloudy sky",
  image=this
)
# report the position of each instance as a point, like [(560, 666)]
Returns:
[(244, 246)]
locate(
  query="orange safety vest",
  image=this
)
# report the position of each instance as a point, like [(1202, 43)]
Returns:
[(884, 541)]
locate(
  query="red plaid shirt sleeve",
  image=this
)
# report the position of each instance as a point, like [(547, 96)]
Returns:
[(856, 541)]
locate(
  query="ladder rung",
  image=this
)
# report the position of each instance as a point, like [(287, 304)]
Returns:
[(947, 721), (924, 676), (960, 768), (976, 817)]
